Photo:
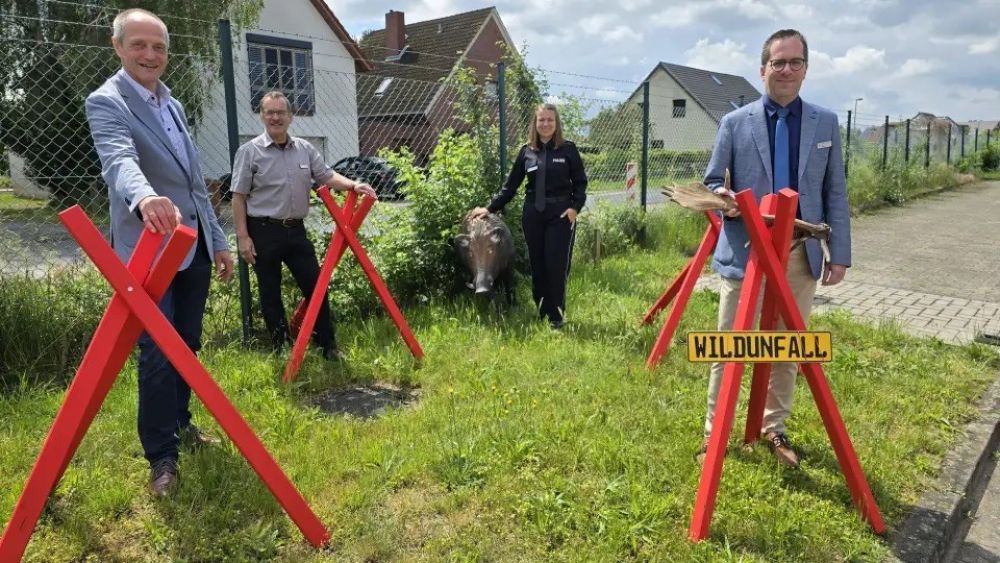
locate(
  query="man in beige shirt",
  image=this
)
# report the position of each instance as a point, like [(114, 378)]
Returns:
[(272, 177)]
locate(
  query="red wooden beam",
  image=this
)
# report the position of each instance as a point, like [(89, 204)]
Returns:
[(725, 405), (714, 225), (109, 349), (781, 233), (356, 215), (818, 384), (388, 302)]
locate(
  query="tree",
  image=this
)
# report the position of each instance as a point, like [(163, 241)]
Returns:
[(572, 113), (52, 54)]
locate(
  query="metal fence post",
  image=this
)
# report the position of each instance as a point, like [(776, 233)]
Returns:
[(927, 150), (645, 142), (975, 141), (847, 143), (948, 153), (906, 151), (502, 100), (885, 143), (988, 138), (229, 84)]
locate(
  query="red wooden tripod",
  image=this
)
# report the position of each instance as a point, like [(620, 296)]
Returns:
[(348, 221), (133, 309)]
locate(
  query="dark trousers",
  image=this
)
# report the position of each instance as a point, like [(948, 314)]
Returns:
[(550, 248), (276, 243), (164, 396)]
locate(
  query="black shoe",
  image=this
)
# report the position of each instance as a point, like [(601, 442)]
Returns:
[(556, 325), (333, 354), (163, 477), (192, 437)]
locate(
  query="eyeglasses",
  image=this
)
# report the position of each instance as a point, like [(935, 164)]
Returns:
[(794, 64), (275, 113)]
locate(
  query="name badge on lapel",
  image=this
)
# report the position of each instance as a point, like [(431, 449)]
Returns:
[(824, 145)]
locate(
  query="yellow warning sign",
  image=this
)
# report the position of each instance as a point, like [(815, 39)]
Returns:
[(754, 347)]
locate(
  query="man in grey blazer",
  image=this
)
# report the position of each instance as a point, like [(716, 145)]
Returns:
[(776, 142), (150, 165)]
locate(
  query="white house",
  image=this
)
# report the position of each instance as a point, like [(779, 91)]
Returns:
[(686, 104), (299, 47)]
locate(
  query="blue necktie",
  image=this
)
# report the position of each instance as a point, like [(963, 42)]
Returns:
[(781, 165)]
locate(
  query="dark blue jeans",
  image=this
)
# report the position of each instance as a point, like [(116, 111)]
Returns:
[(164, 396)]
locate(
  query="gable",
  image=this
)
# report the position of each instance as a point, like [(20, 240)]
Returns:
[(433, 48)]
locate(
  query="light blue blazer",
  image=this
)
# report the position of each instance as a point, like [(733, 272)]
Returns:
[(742, 146), (138, 160)]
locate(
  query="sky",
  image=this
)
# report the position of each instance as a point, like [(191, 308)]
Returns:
[(900, 56)]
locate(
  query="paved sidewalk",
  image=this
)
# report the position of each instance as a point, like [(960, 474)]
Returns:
[(933, 266)]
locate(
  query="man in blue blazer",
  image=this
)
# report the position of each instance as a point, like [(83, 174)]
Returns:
[(776, 142), (150, 165)]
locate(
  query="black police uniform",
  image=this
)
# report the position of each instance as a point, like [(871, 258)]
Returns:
[(556, 182)]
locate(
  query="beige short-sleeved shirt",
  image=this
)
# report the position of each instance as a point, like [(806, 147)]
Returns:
[(277, 180)]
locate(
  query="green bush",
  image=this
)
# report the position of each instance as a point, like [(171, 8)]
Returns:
[(989, 158), (45, 324), (870, 185), (607, 229)]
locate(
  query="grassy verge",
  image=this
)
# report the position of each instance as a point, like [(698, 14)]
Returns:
[(525, 445), (14, 208), (596, 185)]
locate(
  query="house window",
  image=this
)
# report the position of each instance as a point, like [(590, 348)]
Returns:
[(657, 144), (680, 108), (281, 64)]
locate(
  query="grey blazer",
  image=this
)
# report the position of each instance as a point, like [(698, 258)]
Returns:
[(138, 160), (742, 146)]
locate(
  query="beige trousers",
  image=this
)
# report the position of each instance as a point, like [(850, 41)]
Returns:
[(781, 386)]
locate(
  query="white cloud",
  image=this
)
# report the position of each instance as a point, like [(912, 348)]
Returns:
[(857, 59), (797, 12), (985, 47), (593, 25), (915, 67), (902, 56), (728, 56)]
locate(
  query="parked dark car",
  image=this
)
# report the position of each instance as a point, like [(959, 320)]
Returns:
[(374, 171)]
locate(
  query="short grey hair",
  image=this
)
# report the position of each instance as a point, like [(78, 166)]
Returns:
[(118, 26), (275, 95)]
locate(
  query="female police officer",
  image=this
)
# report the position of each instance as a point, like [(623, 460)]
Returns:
[(556, 191)]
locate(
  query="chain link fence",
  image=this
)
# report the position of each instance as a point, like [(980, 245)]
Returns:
[(920, 141), (361, 115)]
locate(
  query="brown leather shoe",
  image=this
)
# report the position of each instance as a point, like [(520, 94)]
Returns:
[(699, 456), (163, 477), (192, 437), (781, 447)]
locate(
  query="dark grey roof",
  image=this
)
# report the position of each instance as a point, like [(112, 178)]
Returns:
[(714, 91), (434, 47)]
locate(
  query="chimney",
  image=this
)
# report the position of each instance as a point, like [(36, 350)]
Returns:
[(395, 32)]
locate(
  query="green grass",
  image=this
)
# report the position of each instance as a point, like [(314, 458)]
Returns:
[(14, 208), (595, 185), (525, 445), (988, 174), (28, 210)]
